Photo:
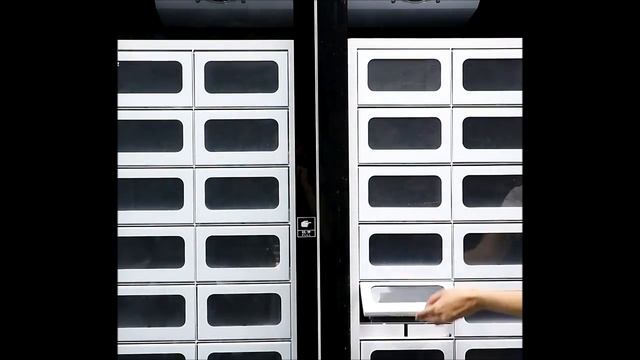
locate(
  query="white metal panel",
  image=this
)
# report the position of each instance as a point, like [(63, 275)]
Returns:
[(441, 96), (279, 156), (279, 272), (179, 216), (281, 330), (412, 271), (367, 155), (205, 99), (185, 332), (184, 98), (184, 273)]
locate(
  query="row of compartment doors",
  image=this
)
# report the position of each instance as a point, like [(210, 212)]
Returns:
[(222, 79), (203, 137), (260, 137), (440, 251), (503, 349), (220, 195), (260, 253), (389, 308), (260, 78), (224, 312), (247, 195)]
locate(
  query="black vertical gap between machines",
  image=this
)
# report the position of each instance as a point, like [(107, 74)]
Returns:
[(306, 192), (334, 178)]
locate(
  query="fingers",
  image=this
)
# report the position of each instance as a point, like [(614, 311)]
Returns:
[(435, 297), (431, 316), (426, 313), (429, 312)]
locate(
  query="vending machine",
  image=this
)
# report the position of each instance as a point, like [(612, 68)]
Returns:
[(217, 224), (296, 178)]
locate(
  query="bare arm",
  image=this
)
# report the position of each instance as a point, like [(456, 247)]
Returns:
[(489, 246), (505, 302), (448, 305)]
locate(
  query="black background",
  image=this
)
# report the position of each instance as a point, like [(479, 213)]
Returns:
[(61, 187)]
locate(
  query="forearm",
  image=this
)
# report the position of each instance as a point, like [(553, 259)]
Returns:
[(505, 302)]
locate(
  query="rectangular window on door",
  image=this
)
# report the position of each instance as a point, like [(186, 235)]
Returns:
[(232, 193), (150, 194), (486, 323), (494, 354), (242, 195), (244, 311), (151, 357), (404, 136), (155, 254), (242, 78), (154, 138), (488, 77), (150, 136), (485, 135), (242, 137), (243, 253), (155, 79), (487, 250), (155, 196), (428, 354), (148, 313), (397, 298), (404, 77), (405, 252), (492, 74), (151, 311), (511, 243), (404, 193), (245, 351), (491, 190), (156, 351), (151, 252), (489, 349), (219, 135), (409, 350), (487, 193), (149, 77)]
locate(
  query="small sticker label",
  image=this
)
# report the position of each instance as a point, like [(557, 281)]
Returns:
[(306, 227)]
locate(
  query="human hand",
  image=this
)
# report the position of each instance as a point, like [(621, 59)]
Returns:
[(448, 305)]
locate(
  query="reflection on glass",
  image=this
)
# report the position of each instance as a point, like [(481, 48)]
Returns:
[(494, 354), (496, 248), (266, 355), (492, 75), (242, 251), (222, 135), (403, 294), (151, 311), (405, 191), (405, 133), (493, 249), (404, 75), (244, 309), (427, 354), (151, 357), (492, 191), (405, 249), (491, 317), (241, 77)]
